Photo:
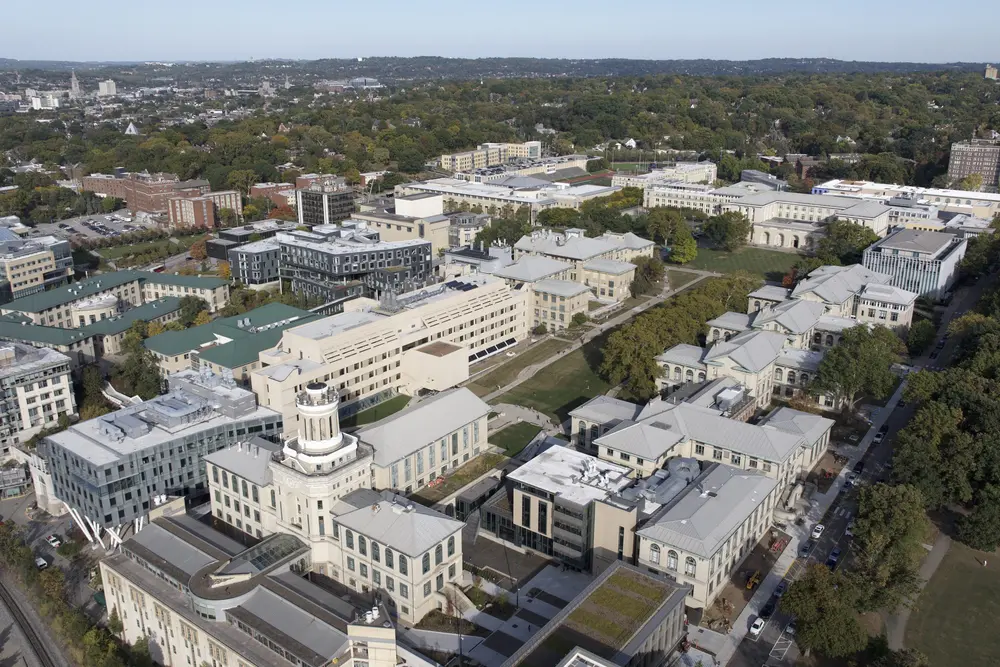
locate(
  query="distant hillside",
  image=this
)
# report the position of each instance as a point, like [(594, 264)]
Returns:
[(426, 67)]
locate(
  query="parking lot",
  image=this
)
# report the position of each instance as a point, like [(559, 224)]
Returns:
[(93, 226)]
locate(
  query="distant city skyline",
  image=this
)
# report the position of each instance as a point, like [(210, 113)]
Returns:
[(237, 30)]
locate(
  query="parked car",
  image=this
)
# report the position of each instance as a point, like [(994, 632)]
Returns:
[(806, 548), (53, 541), (934, 354), (782, 587), (884, 429), (831, 561), (790, 628), (879, 437), (859, 467), (757, 627), (41, 563), (849, 531), (768, 610), (818, 531)]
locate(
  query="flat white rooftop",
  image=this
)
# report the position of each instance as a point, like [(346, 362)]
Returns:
[(573, 476)]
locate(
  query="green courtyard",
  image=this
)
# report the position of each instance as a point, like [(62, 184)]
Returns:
[(515, 437), (955, 615), (563, 385), (771, 264)]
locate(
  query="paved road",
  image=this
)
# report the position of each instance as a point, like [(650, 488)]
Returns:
[(774, 646), (624, 316)]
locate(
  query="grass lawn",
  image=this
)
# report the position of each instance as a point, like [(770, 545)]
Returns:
[(453, 482), (956, 612), (515, 437), (562, 385), (771, 264), (175, 245), (678, 279), (380, 411), (439, 622), (507, 372), (630, 166)]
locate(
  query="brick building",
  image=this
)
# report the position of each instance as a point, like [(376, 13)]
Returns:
[(202, 211), (148, 193)]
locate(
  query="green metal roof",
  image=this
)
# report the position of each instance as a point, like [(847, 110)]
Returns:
[(173, 343), (22, 331), (42, 301), (202, 282), (146, 312), (36, 303), (247, 350)]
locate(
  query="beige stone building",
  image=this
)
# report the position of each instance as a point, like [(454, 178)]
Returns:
[(200, 598), (320, 488), (489, 155), (425, 339), (33, 265), (414, 217)]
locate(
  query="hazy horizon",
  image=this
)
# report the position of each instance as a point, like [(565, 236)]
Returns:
[(238, 30)]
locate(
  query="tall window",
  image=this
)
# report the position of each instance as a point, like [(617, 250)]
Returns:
[(246, 493), (362, 546), (388, 557), (404, 568), (438, 554), (375, 554), (426, 563), (690, 566), (215, 474), (322, 526), (654, 554), (349, 535), (451, 545), (672, 560), (273, 499), (543, 518)]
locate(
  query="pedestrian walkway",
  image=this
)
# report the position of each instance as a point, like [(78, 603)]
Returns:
[(895, 625), (819, 505)]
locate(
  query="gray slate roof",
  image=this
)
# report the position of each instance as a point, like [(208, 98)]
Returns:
[(531, 268), (684, 355), (643, 440), (771, 293), (731, 320), (247, 460), (180, 555), (398, 522), (699, 522), (416, 426), (752, 350), (797, 316), (604, 410), (913, 240), (319, 637), (809, 426), (836, 284)]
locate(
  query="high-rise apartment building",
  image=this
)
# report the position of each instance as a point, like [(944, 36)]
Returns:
[(978, 156), (107, 88)]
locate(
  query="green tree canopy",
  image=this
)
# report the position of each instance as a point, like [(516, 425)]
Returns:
[(728, 231), (844, 242), (860, 365), (826, 621)]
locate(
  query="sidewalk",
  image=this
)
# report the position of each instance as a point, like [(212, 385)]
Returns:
[(895, 625), (819, 505)]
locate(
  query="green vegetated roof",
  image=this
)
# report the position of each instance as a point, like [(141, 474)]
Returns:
[(606, 620), (36, 303), (145, 313), (245, 342)]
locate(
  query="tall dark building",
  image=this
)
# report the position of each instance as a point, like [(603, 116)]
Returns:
[(324, 203)]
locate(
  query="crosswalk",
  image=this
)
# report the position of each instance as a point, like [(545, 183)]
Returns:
[(842, 512)]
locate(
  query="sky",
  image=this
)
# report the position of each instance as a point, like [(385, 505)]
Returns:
[(879, 30)]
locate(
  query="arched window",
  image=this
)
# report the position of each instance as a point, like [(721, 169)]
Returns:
[(795, 242), (654, 554), (388, 557), (781, 240), (451, 546), (690, 566), (728, 335), (595, 432), (677, 373), (829, 340), (426, 563), (350, 539), (403, 565), (756, 305), (804, 379), (438, 554), (672, 560), (375, 552), (701, 376), (767, 238), (715, 334), (583, 431), (362, 546), (791, 377), (777, 375), (689, 375), (817, 338)]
